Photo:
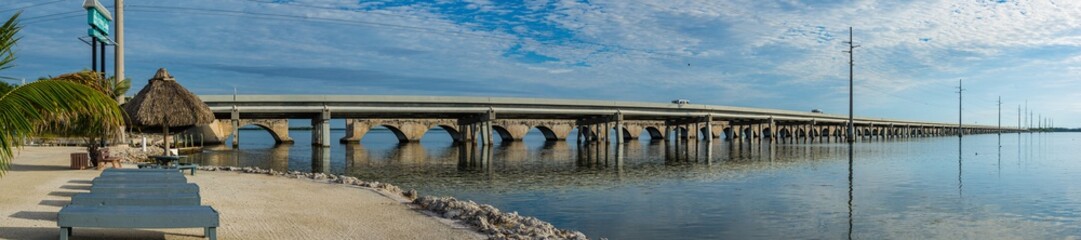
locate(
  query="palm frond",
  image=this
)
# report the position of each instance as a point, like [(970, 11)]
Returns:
[(5, 87), (25, 107), (7, 42), (117, 88)]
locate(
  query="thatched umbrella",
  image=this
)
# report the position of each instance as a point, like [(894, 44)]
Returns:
[(163, 103)]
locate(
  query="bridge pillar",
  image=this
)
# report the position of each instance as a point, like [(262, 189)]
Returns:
[(235, 117), (619, 128), (477, 128), (709, 129), (693, 130), (321, 129), (772, 130), (412, 130), (633, 130), (355, 130), (512, 131), (558, 131), (279, 129), (487, 125), (466, 133)]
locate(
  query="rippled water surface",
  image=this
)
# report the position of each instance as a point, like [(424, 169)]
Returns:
[(1017, 186)]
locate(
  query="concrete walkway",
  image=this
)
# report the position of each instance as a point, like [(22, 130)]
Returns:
[(251, 206)]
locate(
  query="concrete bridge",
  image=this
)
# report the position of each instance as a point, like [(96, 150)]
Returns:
[(480, 119)]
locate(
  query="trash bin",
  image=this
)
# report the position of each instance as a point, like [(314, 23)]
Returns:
[(80, 160)]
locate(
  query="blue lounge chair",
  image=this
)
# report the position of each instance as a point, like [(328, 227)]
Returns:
[(76, 216)]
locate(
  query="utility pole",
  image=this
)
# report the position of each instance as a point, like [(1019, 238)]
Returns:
[(851, 66), (999, 115), (1019, 119), (118, 48), (960, 131)]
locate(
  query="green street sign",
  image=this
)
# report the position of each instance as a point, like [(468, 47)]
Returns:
[(98, 21), (97, 34)]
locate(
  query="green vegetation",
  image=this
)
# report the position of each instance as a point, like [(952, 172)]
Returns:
[(46, 105)]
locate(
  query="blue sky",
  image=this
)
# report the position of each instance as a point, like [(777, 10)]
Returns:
[(770, 54)]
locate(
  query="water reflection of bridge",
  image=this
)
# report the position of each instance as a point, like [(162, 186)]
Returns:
[(509, 156)]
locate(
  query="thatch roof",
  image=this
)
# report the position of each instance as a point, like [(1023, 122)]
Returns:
[(163, 102)]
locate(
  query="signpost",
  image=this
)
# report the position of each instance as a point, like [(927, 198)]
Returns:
[(99, 20), (99, 24)]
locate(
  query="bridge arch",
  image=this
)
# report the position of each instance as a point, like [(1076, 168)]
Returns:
[(784, 133), (654, 133), (627, 133), (397, 132), (502, 132), (549, 135), (277, 137), (748, 133), (455, 135), (278, 129)]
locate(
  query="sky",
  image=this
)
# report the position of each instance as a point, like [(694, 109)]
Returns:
[(747, 53)]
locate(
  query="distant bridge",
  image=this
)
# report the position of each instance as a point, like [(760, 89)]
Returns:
[(479, 119)]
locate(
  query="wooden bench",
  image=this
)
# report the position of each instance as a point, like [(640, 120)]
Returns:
[(136, 199), (188, 166), (145, 188), (104, 157), (73, 216)]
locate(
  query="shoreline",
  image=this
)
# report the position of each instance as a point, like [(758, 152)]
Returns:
[(275, 205), (483, 218)]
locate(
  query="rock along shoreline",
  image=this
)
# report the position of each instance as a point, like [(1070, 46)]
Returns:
[(483, 218)]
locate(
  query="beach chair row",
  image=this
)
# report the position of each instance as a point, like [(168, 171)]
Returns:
[(139, 198)]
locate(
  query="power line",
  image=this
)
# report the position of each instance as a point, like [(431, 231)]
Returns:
[(51, 17), (31, 6)]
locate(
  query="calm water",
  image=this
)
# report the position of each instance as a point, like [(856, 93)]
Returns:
[(908, 188)]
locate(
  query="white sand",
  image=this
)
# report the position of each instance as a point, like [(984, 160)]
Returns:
[(251, 206)]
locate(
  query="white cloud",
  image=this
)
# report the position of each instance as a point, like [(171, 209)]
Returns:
[(761, 53)]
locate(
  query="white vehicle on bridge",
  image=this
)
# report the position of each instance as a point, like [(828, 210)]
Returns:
[(681, 101)]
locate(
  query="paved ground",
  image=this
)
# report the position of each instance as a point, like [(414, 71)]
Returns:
[(251, 206)]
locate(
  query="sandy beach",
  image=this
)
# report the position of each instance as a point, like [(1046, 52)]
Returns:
[(251, 206)]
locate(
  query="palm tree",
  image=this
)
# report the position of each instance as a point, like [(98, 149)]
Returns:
[(93, 133), (26, 108)]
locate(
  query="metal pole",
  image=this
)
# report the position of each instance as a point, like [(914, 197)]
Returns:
[(93, 54), (102, 60), (118, 49), (851, 65), (999, 115), (959, 90)]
